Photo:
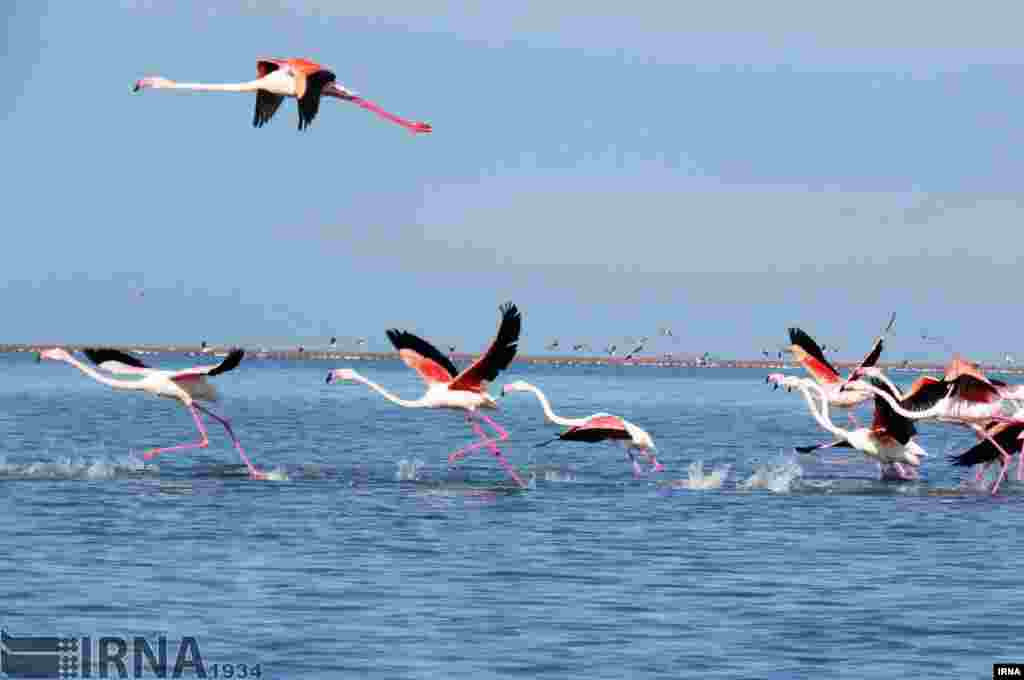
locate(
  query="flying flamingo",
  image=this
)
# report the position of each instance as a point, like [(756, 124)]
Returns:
[(810, 356), (964, 396), (889, 440), (595, 428), (302, 79), (189, 386), (447, 388)]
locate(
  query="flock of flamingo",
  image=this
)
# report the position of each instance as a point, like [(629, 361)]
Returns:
[(447, 388), (963, 396)]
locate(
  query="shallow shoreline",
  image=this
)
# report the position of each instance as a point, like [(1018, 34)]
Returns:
[(324, 354)]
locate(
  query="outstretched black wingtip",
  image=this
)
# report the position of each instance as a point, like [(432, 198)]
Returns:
[(99, 355), (230, 362)]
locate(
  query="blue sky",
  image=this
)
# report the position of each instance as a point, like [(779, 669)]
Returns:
[(727, 170)]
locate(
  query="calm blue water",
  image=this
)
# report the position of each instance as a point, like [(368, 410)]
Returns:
[(788, 567)]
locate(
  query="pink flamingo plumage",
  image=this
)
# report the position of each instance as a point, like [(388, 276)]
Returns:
[(302, 79), (449, 389), (964, 396), (189, 386), (598, 427)]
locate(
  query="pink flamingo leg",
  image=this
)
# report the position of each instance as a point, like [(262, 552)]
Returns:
[(1020, 464), (637, 470), (502, 436), (412, 126), (1004, 458), (456, 456), (1004, 465), (201, 444), (254, 472)]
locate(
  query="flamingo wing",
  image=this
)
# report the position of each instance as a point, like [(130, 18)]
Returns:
[(809, 355), (114, 361), (887, 420), (422, 357), (497, 357), (267, 103), (1005, 434), (309, 102), (232, 360), (597, 429), (925, 393), (971, 384)]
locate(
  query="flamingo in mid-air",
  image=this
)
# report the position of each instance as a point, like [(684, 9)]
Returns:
[(809, 355), (447, 388), (302, 79), (189, 386), (595, 428), (889, 440)]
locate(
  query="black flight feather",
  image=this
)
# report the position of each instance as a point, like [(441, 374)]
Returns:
[(405, 340), (804, 342), (100, 355), (231, 361)]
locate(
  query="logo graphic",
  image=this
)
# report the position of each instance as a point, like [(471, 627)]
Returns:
[(38, 657)]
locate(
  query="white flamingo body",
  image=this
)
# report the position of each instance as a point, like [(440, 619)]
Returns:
[(301, 79), (447, 388), (596, 427), (187, 386), (874, 444)]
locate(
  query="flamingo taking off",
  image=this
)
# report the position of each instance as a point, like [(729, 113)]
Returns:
[(595, 428), (809, 355), (889, 440), (302, 79), (964, 396), (189, 386), (447, 388)]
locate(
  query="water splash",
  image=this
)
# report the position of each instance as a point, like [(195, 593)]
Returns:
[(551, 473), (129, 467), (408, 471), (698, 479), (776, 477)]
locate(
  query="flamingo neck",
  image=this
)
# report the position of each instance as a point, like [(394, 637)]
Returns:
[(890, 384), (821, 416), (417, 403), (937, 410), (549, 413), (99, 377), (251, 86)]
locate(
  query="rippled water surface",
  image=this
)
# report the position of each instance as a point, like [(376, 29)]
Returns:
[(374, 560)]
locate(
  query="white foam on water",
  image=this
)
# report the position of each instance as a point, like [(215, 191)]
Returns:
[(698, 479), (775, 477), (408, 471), (66, 468)]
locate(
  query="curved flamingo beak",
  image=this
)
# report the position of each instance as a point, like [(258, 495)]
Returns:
[(330, 377)]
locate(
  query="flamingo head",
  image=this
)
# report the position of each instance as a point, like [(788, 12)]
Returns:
[(55, 354), (777, 380), (340, 374), (151, 81), (516, 386)]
